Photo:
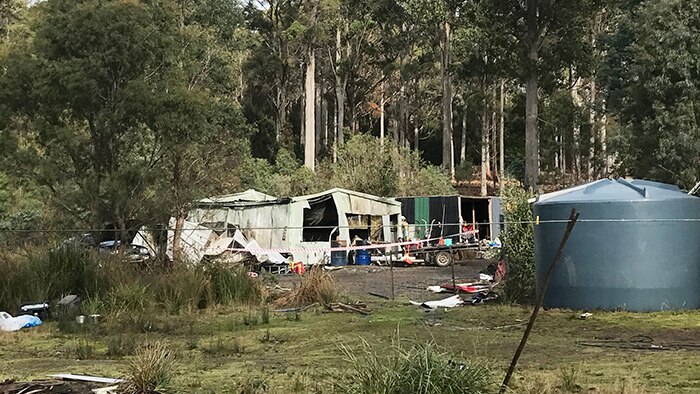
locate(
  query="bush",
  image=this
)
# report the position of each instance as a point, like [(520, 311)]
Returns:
[(418, 369), (317, 285), (150, 370), (518, 246), (233, 285), (44, 276), (183, 289)]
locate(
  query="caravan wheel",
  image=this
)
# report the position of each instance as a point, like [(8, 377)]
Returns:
[(442, 259)]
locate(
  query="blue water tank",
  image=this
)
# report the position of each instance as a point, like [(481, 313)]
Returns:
[(635, 247)]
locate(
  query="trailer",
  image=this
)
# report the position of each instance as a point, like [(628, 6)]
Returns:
[(447, 216), (437, 254)]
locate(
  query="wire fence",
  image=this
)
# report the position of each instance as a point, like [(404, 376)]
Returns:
[(331, 227)]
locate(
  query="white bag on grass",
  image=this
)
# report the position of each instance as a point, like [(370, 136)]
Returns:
[(9, 323)]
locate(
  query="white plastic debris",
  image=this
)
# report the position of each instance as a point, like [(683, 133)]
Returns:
[(485, 277), (449, 302), (9, 323)]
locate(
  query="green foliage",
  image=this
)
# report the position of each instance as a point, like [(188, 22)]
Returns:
[(415, 368), (185, 289), (223, 347), (82, 349), (150, 370), (47, 276), (233, 285), (652, 77), (518, 246), (120, 345)]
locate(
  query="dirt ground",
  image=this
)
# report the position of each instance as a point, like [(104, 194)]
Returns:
[(409, 281)]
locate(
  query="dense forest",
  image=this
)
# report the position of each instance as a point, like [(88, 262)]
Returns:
[(122, 111)]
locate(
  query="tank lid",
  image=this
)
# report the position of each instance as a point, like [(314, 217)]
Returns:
[(615, 190)]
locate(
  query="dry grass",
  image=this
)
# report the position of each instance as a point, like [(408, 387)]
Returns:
[(150, 370), (316, 286)]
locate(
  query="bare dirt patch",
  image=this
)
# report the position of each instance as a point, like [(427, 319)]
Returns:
[(409, 281)]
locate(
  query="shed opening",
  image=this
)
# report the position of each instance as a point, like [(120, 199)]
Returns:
[(476, 211), (320, 219)]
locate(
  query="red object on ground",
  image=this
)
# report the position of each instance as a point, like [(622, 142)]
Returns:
[(298, 267), (466, 287), (500, 271)]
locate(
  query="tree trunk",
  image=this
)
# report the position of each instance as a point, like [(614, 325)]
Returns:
[(402, 122), (452, 157), (177, 234), (447, 161), (463, 140), (532, 149), (501, 150), (340, 83), (310, 112), (592, 119), (487, 137), (604, 144), (578, 103), (335, 134), (318, 110), (381, 118), (494, 144), (324, 120), (484, 148)]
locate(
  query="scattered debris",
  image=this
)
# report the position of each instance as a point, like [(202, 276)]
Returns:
[(470, 288), (9, 323), (640, 342), (585, 315), (106, 390), (299, 309), (484, 297), (45, 387), (379, 295), (40, 310), (486, 278), (358, 307), (86, 378), (449, 302)]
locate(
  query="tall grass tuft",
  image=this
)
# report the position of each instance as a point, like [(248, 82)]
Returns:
[(233, 285), (316, 286), (417, 369), (48, 275), (150, 370), (185, 289)]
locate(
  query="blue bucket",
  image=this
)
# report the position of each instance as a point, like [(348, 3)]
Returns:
[(363, 257)]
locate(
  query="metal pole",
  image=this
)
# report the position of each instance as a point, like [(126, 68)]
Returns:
[(452, 266), (540, 298), (391, 267)]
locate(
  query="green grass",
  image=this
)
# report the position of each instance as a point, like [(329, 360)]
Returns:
[(290, 355)]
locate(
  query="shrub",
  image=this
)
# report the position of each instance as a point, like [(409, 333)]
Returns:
[(183, 289), (130, 297), (49, 275), (418, 369), (317, 285), (518, 246), (150, 370), (120, 345), (223, 347), (233, 285), (83, 350)]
